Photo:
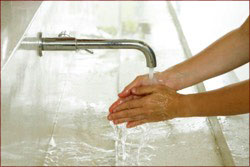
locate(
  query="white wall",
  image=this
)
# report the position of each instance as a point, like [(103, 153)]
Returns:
[(204, 22)]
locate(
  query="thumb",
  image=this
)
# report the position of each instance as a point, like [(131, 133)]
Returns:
[(144, 90)]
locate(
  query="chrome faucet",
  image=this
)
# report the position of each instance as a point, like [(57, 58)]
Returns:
[(67, 43)]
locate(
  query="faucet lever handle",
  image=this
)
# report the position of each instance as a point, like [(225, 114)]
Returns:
[(63, 34), (89, 51)]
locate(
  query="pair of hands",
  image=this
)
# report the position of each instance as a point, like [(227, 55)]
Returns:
[(141, 103)]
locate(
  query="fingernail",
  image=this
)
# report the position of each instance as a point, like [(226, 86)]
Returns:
[(109, 117), (133, 90)]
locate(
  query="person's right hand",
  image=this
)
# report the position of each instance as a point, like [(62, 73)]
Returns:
[(141, 80)]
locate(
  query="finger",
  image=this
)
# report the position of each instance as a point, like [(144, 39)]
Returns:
[(135, 103), (122, 120), (119, 121), (125, 114), (145, 90), (113, 106), (127, 90), (120, 101), (136, 123)]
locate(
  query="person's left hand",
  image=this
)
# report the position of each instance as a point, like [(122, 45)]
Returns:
[(156, 103)]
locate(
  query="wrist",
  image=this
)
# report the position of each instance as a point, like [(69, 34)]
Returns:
[(172, 78), (185, 106)]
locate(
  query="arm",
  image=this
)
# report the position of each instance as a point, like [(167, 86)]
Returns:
[(229, 100), (225, 54), (159, 103)]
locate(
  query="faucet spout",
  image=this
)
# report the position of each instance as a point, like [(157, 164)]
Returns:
[(120, 44), (71, 43)]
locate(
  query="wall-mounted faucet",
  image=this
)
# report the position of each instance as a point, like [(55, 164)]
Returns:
[(67, 43)]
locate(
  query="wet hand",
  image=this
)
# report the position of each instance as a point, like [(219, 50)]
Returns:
[(141, 80), (148, 104)]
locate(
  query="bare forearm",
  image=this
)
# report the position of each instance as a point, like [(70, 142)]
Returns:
[(227, 53), (229, 100)]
